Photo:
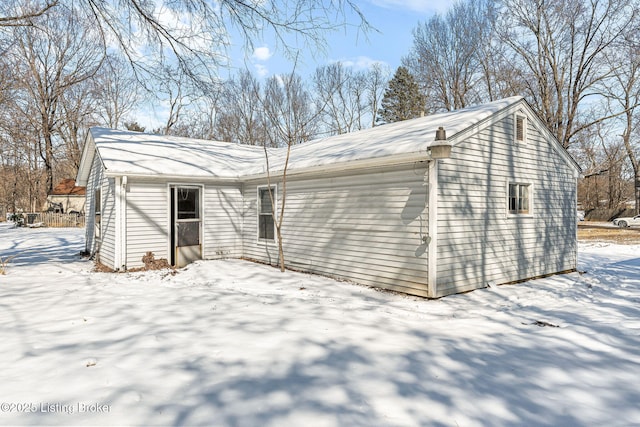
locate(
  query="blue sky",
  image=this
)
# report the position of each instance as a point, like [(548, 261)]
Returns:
[(394, 20)]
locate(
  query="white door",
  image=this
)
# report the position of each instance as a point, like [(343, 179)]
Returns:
[(186, 225)]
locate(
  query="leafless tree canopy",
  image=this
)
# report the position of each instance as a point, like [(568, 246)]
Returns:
[(66, 65), (70, 64)]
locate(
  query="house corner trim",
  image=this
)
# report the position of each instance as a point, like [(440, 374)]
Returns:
[(433, 229)]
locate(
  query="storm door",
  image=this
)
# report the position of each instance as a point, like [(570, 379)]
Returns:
[(186, 225)]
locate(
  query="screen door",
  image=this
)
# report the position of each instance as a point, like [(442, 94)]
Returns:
[(186, 225)]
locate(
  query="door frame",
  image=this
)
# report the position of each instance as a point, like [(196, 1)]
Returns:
[(172, 187)]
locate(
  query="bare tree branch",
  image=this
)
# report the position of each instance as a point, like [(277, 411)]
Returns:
[(25, 16)]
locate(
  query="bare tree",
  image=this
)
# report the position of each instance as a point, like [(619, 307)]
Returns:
[(21, 173), (289, 113), (199, 120), (341, 96), (50, 59), (16, 13), (240, 113), (116, 93), (559, 49), (377, 79), (175, 91), (623, 91), (77, 113), (195, 33), (446, 54), (290, 120)]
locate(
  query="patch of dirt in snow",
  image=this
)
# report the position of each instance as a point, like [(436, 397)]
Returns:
[(602, 233)]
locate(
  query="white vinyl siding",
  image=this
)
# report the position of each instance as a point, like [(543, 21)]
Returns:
[(147, 221), (108, 220), (93, 183), (370, 228), (477, 243), (222, 222)]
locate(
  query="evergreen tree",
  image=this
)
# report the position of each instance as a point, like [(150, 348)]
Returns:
[(402, 99)]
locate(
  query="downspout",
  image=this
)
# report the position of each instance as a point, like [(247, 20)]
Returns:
[(123, 223), (439, 149), (432, 260), (117, 222)]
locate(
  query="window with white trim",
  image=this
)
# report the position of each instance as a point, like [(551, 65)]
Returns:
[(97, 201), (519, 199), (266, 223), (520, 128)]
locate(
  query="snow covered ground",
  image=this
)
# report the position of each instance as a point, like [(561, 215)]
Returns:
[(232, 343)]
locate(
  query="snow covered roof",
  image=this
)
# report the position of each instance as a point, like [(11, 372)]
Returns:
[(140, 154), (399, 138), (68, 187)]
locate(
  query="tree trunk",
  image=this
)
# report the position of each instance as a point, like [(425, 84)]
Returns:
[(48, 160), (637, 188)]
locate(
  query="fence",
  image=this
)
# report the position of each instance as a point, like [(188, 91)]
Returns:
[(51, 219)]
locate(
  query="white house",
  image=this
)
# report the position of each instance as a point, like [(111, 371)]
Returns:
[(66, 197), (380, 207)]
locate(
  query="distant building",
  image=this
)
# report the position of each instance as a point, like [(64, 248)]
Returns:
[(66, 197)]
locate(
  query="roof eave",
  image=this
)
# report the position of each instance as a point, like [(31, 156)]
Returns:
[(174, 177), (88, 154), (396, 159)]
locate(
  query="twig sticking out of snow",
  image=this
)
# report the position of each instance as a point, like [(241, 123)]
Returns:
[(541, 323), (4, 263)]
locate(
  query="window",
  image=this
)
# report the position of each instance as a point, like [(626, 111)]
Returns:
[(519, 199), (266, 225), (188, 203), (187, 216), (97, 201), (520, 128)]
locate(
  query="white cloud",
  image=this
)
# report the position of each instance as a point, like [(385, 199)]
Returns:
[(422, 6), (262, 53), (359, 62)]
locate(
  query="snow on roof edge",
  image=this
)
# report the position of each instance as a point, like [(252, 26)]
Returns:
[(135, 153)]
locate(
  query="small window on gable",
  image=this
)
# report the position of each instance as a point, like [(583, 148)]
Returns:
[(266, 223), (519, 199), (520, 130)]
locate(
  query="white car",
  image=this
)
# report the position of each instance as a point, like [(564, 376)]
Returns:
[(627, 222)]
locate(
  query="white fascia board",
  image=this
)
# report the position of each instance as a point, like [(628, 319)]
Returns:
[(88, 154), (346, 166), (483, 124), (177, 178)]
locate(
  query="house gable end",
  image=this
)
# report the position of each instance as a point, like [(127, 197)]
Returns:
[(521, 108)]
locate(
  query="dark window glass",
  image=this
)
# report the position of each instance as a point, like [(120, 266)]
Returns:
[(188, 203), (97, 199), (518, 198), (189, 233), (266, 225)]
